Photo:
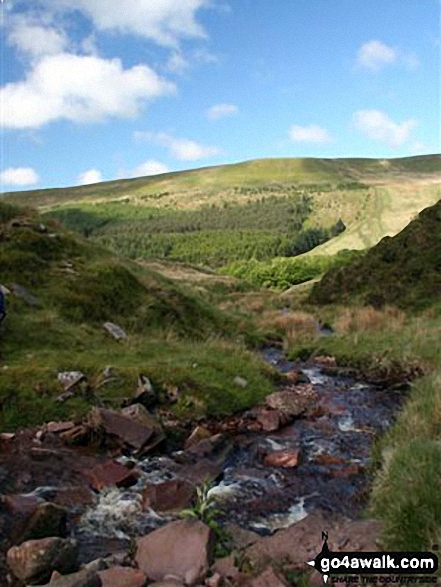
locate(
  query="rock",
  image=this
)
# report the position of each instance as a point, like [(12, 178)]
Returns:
[(116, 331), (205, 460), (169, 582), (269, 578), (226, 567), (198, 434), (110, 473), (122, 577), (269, 420), (303, 540), (5, 291), (83, 578), (58, 427), (282, 458), (34, 561), (76, 435), (126, 429), (214, 581), (182, 549), (22, 293), (240, 381), (169, 496), (69, 379), (34, 518), (145, 394), (292, 402), (138, 413)]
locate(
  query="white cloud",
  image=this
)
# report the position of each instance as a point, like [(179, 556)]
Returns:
[(221, 111), (90, 176), (177, 62), (374, 55), (35, 39), (165, 22), (79, 88), (150, 167), (19, 176), (310, 134), (183, 149), (378, 126)]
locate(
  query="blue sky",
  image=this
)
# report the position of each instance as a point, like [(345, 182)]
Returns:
[(96, 90)]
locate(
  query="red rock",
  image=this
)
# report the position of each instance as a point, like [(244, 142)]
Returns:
[(169, 496), (126, 429), (269, 420), (226, 567), (292, 402), (198, 434), (302, 541), (269, 578), (214, 581), (35, 560), (74, 496), (181, 549), (122, 577), (282, 458), (110, 473)]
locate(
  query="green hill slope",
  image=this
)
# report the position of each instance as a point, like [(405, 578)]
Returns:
[(404, 270), (217, 215), (61, 291)]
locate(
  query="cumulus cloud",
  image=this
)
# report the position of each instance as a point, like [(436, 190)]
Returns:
[(165, 22), (375, 55), (183, 149), (150, 167), (221, 111), (80, 88), (378, 126), (19, 176), (35, 39), (90, 176), (310, 134)]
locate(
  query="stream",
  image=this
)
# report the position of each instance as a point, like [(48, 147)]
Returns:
[(335, 444)]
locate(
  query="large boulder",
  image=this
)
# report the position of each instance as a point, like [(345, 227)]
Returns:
[(293, 401), (302, 541), (181, 549), (34, 561), (110, 473)]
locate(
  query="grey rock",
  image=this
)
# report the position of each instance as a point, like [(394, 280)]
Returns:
[(240, 381), (116, 331), (24, 294)]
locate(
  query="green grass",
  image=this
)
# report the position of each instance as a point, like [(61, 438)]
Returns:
[(404, 270), (176, 336)]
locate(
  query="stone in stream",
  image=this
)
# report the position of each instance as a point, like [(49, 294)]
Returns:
[(34, 561), (269, 578), (282, 458), (293, 401), (198, 434), (83, 578), (302, 541), (114, 330), (269, 420), (169, 496), (139, 414), (110, 473), (34, 518), (122, 577), (182, 549)]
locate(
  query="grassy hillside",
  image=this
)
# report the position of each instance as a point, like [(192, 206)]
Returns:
[(404, 270), (62, 290), (248, 212)]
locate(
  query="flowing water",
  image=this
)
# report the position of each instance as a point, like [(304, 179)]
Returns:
[(335, 447)]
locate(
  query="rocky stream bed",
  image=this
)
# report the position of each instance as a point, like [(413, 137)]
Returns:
[(279, 474)]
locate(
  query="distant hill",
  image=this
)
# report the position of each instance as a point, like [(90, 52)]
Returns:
[(404, 270), (168, 215)]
